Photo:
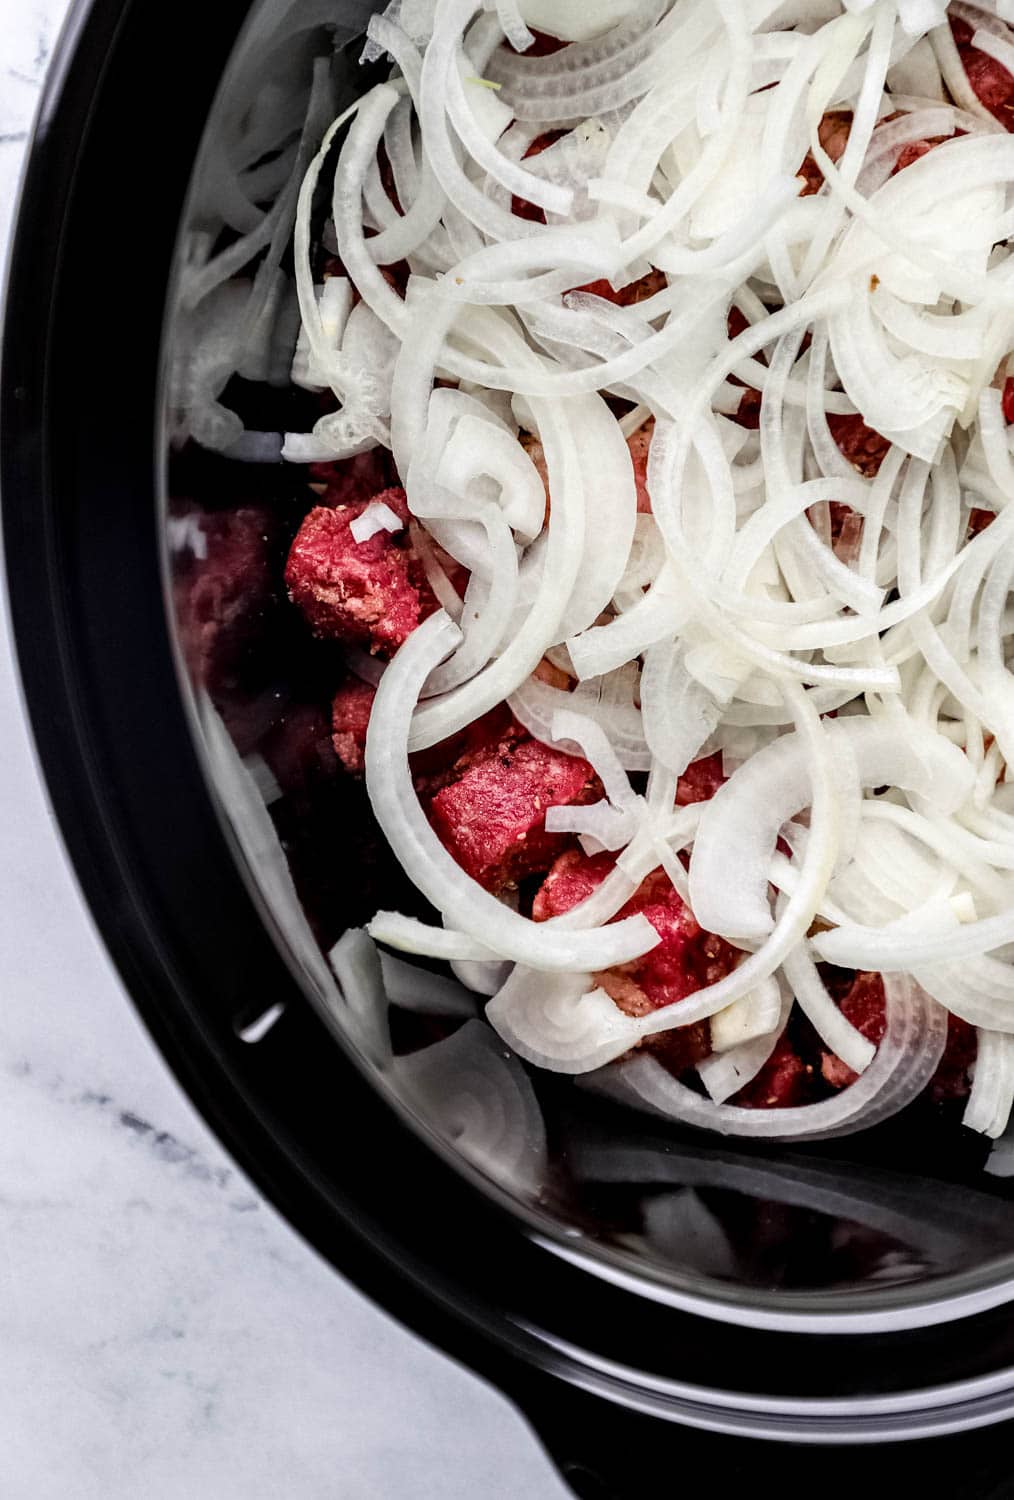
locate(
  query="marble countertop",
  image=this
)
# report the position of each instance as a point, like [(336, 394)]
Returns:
[(163, 1333)]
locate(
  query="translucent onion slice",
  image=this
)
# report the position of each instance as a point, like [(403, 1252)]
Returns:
[(361, 1013), (757, 1014), (906, 1060), (992, 1096), (725, 1073), (606, 700), (576, 20), (477, 1098), (423, 991), (979, 990), (375, 518), (740, 825), (908, 943), (562, 1023)]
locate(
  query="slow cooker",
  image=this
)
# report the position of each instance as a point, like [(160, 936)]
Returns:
[(826, 1317)]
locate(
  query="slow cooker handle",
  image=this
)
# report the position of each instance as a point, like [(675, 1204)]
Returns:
[(608, 1452)]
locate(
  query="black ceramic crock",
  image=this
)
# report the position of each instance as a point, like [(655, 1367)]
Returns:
[(634, 1373)]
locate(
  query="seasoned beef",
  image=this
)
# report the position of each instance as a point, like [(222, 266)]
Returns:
[(371, 594), (491, 813)]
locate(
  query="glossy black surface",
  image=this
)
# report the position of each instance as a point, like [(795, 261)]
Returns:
[(79, 483)]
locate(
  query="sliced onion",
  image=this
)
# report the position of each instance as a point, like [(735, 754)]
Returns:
[(362, 1015), (908, 943), (609, 701), (562, 1023), (477, 1098), (725, 1073), (906, 1059), (740, 825), (992, 1096), (420, 990), (375, 518), (979, 990), (412, 936), (757, 1014)]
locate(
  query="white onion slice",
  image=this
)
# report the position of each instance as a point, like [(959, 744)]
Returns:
[(477, 1098), (561, 1022), (362, 1017), (757, 1014), (906, 1059), (420, 990), (992, 1096), (908, 943), (725, 1073), (375, 518), (740, 825)]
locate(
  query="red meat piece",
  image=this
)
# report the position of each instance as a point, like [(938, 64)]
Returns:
[(396, 276), (354, 481), (350, 718), (630, 295), (864, 1004), (537, 454), (371, 593), (951, 1080), (845, 530), (521, 206), (638, 443), (1007, 400), (491, 814), (298, 749), (864, 448), (440, 764), (784, 1080), (544, 45), (978, 520), (915, 149), (681, 1047), (549, 673), (686, 960), (701, 780), (223, 598), (571, 880), (432, 768), (748, 412), (833, 134), (846, 525), (989, 80)]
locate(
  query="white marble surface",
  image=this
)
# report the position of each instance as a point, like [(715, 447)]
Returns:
[(162, 1333)]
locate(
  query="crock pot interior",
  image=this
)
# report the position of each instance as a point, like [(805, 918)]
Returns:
[(916, 1212)]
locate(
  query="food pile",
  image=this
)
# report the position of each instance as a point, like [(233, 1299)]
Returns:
[(659, 516)]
